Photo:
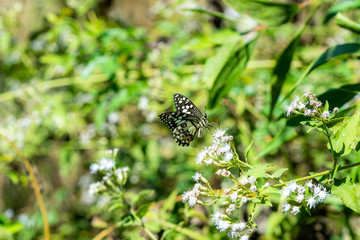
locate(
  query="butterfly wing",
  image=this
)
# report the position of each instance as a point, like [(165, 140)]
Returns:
[(185, 105), (182, 125)]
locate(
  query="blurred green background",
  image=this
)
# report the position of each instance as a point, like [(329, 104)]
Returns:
[(80, 77)]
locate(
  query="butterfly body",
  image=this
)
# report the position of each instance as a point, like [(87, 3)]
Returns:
[(186, 121)]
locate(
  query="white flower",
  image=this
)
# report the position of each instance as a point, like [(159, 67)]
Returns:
[(94, 167), (326, 114), (95, 187), (309, 184), (225, 148), (307, 112), (201, 156), (223, 172), (197, 177), (285, 192), (335, 110), (244, 237), (267, 185), (209, 161), (113, 117), (311, 202), (286, 207), (292, 186), (228, 156), (299, 198), (244, 181), (295, 210), (253, 188), (216, 216), (192, 201), (244, 200), (222, 225), (289, 109), (106, 164), (322, 195), (233, 196), (317, 188), (230, 209), (236, 229), (300, 189), (252, 180), (219, 133)]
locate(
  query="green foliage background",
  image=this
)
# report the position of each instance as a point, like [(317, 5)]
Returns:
[(81, 82)]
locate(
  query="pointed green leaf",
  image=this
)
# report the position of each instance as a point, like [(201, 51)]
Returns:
[(268, 12), (347, 135), (278, 173), (285, 135), (347, 23), (341, 6), (227, 68), (349, 193)]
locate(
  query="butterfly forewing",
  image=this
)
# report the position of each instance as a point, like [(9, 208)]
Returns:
[(185, 105), (185, 122)]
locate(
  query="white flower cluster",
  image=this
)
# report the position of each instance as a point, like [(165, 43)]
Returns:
[(191, 196), (299, 196), (105, 164), (223, 223), (220, 152), (113, 179), (309, 105)]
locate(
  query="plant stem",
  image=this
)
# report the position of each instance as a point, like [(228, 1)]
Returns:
[(331, 146), (151, 235), (34, 184), (318, 174)]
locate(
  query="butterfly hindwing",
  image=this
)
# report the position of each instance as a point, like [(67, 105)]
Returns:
[(185, 122)]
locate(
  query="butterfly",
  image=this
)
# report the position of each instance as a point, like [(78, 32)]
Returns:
[(186, 121)]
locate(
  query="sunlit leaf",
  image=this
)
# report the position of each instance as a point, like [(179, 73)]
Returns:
[(346, 135), (349, 193), (347, 23), (285, 135), (227, 66), (341, 6), (268, 12)]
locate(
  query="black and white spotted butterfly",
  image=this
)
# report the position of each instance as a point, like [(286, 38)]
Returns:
[(186, 121)]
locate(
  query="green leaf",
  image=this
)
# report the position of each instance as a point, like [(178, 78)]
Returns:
[(258, 171), (215, 64), (341, 6), (270, 190), (107, 64), (247, 150), (274, 224), (329, 54), (270, 13), (211, 13), (142, 195), (333, 52), (284, 62), (143, 209), (168, 206), (346, 135), (100, 114), (281, 69), (285, 135), (347, 23), (337, 97), (126, 220), (227, 66), (278, 173), (349, 193)]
